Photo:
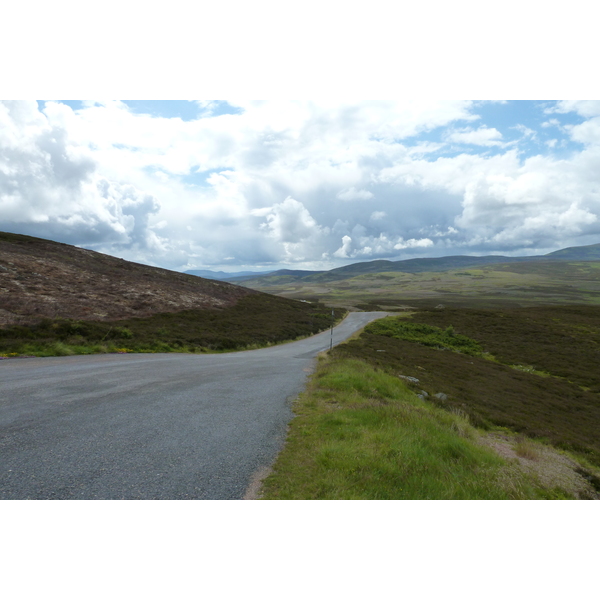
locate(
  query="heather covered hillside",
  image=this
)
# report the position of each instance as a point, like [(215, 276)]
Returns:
[(59, 299), (41, 278)]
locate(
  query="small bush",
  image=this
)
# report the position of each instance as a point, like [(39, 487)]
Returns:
[(122, 332)]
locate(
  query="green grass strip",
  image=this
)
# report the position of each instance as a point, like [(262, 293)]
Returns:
[(427, 335), (360, 433)]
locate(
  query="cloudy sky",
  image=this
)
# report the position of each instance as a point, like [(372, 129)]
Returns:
[(231, 185)]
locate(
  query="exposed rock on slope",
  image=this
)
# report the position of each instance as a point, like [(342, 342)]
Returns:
[(40, 278)]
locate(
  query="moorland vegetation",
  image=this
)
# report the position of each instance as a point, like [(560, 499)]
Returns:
[(483, 385), (420, 411), (361, 433), (56, 300), (502, 358), (497, 285)]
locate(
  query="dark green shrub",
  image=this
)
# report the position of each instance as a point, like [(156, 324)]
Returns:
[(427, 335)]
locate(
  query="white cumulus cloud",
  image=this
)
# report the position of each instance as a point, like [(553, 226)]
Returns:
[(50, 186), (354, 194), (484, 136), (306, 183), (345, 249), (288, 221)]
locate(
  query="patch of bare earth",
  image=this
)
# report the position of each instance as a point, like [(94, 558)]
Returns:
[(254, 488), (551, 468), (44, 279)]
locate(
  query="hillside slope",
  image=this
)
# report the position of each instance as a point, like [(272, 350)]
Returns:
[(57, 300), (591, 252), (45, 279)]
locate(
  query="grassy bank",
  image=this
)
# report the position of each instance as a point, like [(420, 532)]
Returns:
[(459, 403), (255, 321), (530, 376), (361, 433)]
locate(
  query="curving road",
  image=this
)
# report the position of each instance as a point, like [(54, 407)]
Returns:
[(150, 426)]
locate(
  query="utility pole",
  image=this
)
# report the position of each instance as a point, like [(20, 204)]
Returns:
[(332, 318)]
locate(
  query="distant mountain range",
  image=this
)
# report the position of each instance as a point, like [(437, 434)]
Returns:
[(223, 276), (412, 265)]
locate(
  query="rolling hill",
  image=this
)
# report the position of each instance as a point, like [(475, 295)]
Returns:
[(414, 265), (60, 299), (41, 278), (222, 275)]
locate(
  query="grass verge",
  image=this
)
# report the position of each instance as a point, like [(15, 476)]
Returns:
[(492, 394), (361, 433)]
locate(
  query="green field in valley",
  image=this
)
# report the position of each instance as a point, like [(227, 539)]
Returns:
[(515, 284)]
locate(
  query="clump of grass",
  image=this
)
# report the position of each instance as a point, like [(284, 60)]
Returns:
[(462, 423), (530, 369), (61, 349), (427, 335), (526, 448), (360, 433)]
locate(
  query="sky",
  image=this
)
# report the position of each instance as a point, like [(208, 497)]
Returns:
[(235, 185)]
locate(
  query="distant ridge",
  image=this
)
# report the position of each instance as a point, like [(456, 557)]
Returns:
[(591, 252), (420, 265), (224, 276), (282, 275)]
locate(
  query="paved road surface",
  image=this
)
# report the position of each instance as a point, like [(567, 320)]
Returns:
[(150, 426)]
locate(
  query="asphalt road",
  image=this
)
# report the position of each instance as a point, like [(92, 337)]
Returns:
[(150, 426)]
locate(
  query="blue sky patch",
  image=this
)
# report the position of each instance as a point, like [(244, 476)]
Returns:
[(527, 126), (167, 109), (200, 178), (183, 109), (74, 104), (186, 110)]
